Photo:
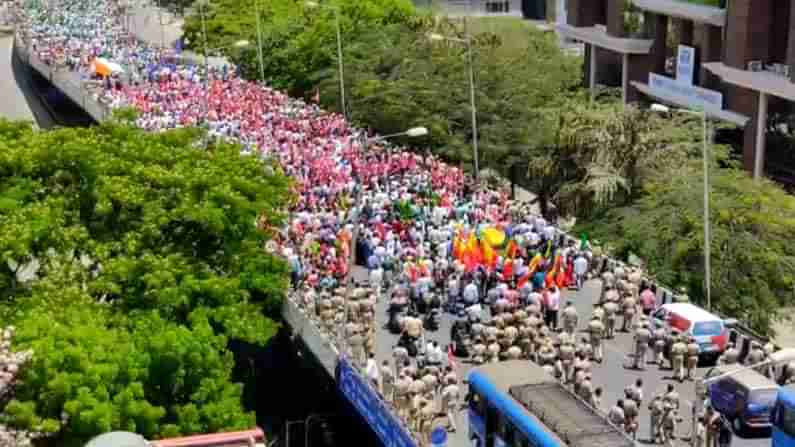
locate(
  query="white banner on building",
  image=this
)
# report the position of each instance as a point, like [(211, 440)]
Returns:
[(685, 64), (697, 96)]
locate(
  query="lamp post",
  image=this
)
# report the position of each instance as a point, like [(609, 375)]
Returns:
[(259, 43), (414, 132), (705, 155), (314, 4), (468, 43)]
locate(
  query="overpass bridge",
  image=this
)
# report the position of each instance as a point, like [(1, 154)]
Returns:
[(612, 375)]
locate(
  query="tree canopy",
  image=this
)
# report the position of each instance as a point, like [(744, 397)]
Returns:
[(752, 261), (129, 260)]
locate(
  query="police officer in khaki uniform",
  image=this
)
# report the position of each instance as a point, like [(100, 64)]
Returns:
[(493, 351), (513, 353), (402, 396), (608, 281), (596, 331), (692, 358), (450, 395), (668, 425), (656, 410), (567, 359), (678, 354), (387, 381), (628, 307), (630, 416), (611, 309), (478, 351), (586, 388), (755, 355), (658, 341), (356, 343), (642, 337), (729, 356), (598, 312), (570, 318)]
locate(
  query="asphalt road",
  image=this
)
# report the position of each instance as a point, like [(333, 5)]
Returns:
[(14, 105), (612, 375)]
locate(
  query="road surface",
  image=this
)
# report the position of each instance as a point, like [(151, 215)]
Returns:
[(611, 375), (14, 105)]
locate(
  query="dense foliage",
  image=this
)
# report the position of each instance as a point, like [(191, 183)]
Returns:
[(752, 259), (129, 259)]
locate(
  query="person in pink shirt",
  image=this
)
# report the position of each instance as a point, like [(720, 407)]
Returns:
[(648, 299)]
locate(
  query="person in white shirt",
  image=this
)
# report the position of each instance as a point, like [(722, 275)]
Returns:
[(580, 269), (376, 281), (434, 354), (373, 373), (470, 294)]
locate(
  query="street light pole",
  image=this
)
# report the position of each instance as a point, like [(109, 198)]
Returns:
[(203, 5), (707, 238), (315, 4), (259, 43), (471, 71), (474, 110), (705, 156), (339, 62)]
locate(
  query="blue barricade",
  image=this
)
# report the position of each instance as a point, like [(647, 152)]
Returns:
[(367, 402)]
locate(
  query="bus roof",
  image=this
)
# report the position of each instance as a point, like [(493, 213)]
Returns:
[(538, 396), (506, 374), (747, 377)]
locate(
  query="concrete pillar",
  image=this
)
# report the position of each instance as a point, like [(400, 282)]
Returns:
[(791, 44), (711, 44), (748, 31), (761, 137), (592, 73), (615, 18), (624, 77), (656, 28), (684, 28), (582, 13)]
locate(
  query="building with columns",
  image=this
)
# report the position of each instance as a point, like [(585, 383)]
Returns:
[(735, 61)]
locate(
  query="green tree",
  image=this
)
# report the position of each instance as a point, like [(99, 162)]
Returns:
[(590, 157), (128, 261), (753, 263)]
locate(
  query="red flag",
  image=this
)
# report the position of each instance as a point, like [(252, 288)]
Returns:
[(451, 357), (507, 270), (523, 279)]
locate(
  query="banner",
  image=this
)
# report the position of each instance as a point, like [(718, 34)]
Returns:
[(370, 406)]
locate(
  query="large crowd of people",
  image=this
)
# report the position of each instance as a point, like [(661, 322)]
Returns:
[(417, 226)]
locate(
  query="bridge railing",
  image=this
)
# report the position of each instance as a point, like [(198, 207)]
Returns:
[(302, 325), (67, 81)]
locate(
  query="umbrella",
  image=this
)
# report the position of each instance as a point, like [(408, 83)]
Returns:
[(104, 67), (494, 236)]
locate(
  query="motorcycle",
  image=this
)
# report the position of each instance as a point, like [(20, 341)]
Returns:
[(433, 319)]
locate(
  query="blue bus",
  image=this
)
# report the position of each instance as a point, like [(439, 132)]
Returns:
[(518, 404), (783, 433)]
